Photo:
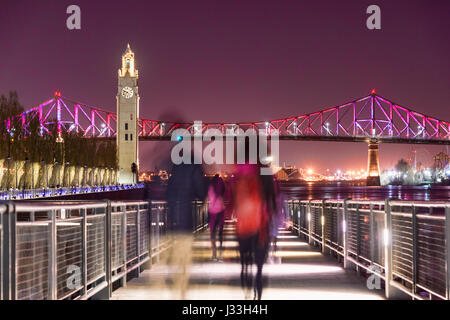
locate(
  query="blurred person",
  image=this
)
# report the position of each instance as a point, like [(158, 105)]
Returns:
[(278, 220), (255, 205), (185, 184), (216, 213), (268, 223), (229, 198), (248, 211)]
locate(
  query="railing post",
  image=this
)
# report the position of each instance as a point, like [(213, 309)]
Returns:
[(372, 234), (194, 215), (150, 233), (391, 291), (52, 247), (322, 222), (345, 234), (199, 218), (387, 236), (447, 249), (108, 249), (299, 233), (9, 252), (158, 228), (338, 224), (202, 208), (290, 207), (295, 216), (310, 240), (138, 237), (124, 243), (201, 215), (83, 248), (414, 247), (358, 238), (206, 204), (2, 242)]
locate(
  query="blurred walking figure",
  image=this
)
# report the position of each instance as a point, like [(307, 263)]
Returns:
[(254, 205), (186, 183), (278, 220), (248, 212), (216, 213), (267, 229), (229, 199)]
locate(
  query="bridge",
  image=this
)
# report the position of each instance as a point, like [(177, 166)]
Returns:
[(362, 119), (334, 249), (372, 119)]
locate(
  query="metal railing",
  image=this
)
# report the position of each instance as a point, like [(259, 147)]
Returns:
[(3, 210), (405, 243), (79, 249), (16, 194), (200, 214)]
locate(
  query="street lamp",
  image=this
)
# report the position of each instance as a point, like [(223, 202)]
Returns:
[(9, 172), (27, 162), (134, 170), (15, 164), (44, 167), (32, 177), (56, 167), (68, 173)]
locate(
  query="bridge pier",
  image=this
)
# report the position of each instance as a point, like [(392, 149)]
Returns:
[(373, 164)]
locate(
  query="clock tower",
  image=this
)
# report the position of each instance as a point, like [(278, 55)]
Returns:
[(127, 119)]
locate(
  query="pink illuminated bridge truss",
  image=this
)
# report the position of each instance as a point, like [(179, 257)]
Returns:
[(367, 118)]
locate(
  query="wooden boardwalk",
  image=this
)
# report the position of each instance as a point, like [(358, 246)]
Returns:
[(297, 271)]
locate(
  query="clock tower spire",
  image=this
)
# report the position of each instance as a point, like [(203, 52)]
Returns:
[(127, 119)]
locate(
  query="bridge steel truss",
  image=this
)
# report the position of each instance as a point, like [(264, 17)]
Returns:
[(369, 117)]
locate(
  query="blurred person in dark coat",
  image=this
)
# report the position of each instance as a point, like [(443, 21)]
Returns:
[(186, 183)]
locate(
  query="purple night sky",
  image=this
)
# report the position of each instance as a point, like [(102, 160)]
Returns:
[(235, 61)]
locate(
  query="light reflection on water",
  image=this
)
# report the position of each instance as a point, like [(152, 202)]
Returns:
[(312, 191)]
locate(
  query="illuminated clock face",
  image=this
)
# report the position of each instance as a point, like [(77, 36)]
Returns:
[(127, 92)]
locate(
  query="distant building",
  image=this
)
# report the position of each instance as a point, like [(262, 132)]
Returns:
[(287, 173)]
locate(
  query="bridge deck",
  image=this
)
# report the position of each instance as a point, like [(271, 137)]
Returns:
[(296, 272)]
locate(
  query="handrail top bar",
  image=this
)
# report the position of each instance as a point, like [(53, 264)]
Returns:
[(316, 201), (57, 205), (420, 203), (46, 205), (416, 203), (378, 202), (128, 203)]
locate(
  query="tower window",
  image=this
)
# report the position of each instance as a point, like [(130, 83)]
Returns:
[(126, 136), (126, 126), (131, 136), (131, 116)]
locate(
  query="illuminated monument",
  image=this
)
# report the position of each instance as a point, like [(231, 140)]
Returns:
[(127, 119), (373, 164)]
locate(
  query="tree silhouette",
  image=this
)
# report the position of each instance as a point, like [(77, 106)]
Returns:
[(38, 148)]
